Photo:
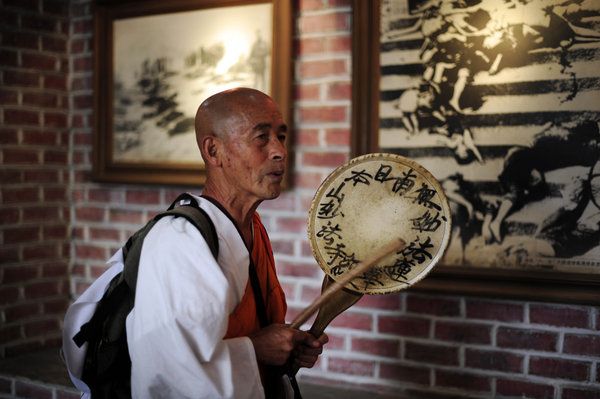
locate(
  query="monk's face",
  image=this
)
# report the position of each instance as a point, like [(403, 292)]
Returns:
[(254, 150)]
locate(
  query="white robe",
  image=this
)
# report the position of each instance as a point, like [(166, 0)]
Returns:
[(182, 306)]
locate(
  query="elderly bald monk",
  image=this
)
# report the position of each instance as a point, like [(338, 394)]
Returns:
[(199, 329)]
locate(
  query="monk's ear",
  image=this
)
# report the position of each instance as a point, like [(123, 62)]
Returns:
[(211, 148)]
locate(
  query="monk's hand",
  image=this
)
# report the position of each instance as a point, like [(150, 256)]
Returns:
[(307, 352), (274, 344)]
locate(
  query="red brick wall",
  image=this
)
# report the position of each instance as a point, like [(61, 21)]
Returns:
[(34, 170), (433, 346)]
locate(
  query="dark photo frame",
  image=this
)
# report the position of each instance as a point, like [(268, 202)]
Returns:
[(156, 61), (418, 85)]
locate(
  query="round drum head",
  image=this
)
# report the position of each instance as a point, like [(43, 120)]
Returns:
[(366, 203)]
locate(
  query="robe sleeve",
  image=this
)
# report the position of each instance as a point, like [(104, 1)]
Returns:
[(175, 331)]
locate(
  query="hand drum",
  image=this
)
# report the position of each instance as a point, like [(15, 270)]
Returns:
[(360, 208)]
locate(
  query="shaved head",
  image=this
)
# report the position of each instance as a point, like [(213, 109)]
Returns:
[(218, 113)]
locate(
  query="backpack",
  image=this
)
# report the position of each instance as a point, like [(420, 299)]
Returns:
[(106, 368)]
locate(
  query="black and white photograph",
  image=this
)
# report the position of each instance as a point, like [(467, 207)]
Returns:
[(500, 100), (165, 65)]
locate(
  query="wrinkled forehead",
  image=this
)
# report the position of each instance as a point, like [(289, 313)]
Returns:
[(244, 113)]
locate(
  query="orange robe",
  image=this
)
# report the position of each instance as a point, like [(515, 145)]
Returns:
[(244, 319)]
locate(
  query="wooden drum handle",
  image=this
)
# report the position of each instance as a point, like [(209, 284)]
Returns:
[(337, 285)]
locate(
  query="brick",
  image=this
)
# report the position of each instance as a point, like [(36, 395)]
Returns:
[(54, 194), (312, 45), (9, 255), (104, 234), (580, 393), (327, 159), (291, 225), (404, 325), (21, 157), (431, 353), (82, 102), (306, 138), (56, 120), (464, 381), (41, 62), (41, 251), (339, 44), (351, 366), (20, 195), (57, 82), (20, 39), (54, 44), (8, 294), (337, 137), (37, 137), (421, 304), (323, 68), (41, 99), (105, 195), (89, 214), (329, 22), (282, 247), (21, 117), (588, 345), (41, 214), (82, 83), (41, 327), (55, 232), (39, 23), (8, 97), (526, 339), (21, 234), (353, 321), (285, 202), (559, 368), (8, 334), (83, 26), (57, 8), (463, 332), (323, 114), (494, 360), (15, 314), (378, 347), (142, 197), (390, 301), (58, 306), (41, 290), (559, 316), (499, 311), (83, 64), (117, 215), (398, 372), (515, 388), (8, 216), (55, 269), (311, 5), (339, 91), (299, 270), (90, 252)]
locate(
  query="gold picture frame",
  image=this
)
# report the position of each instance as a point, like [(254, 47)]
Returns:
[(156, 61)]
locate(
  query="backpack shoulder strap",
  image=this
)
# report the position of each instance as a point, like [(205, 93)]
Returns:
[(192, 212)]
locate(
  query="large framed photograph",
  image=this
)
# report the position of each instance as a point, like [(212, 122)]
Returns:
[(500, 101), (156, 61)]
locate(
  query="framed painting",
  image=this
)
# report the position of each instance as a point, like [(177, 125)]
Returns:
[(500, 101), (156, 61)]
